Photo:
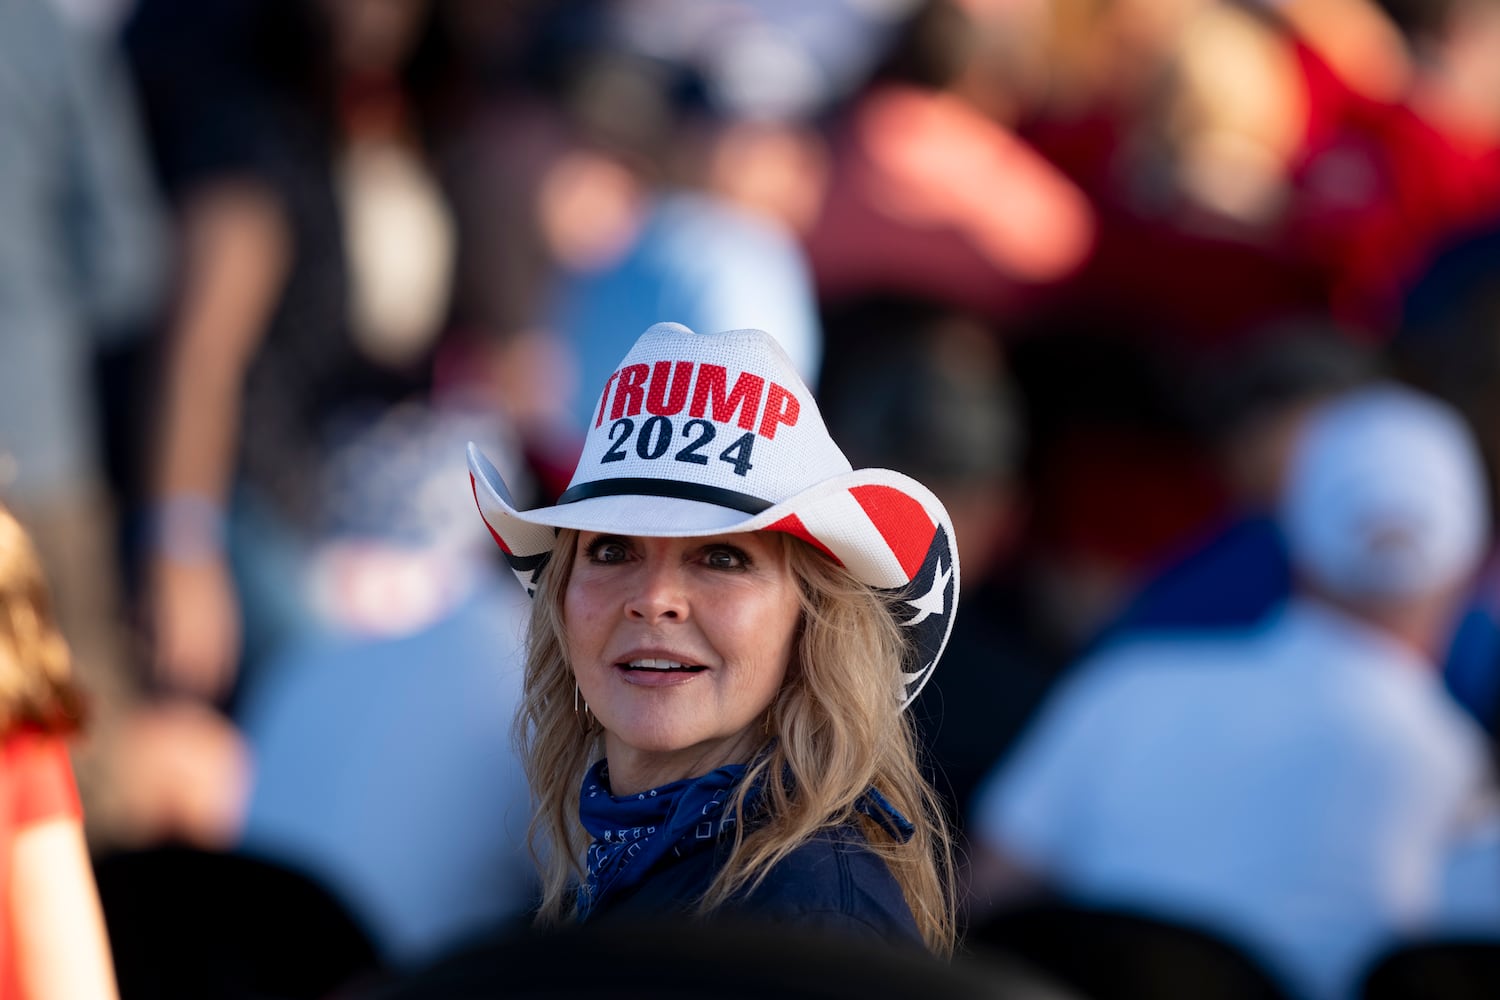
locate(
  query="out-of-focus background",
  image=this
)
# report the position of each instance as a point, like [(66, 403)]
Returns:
[(1080, 265)]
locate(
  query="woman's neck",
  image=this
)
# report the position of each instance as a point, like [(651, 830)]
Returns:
[(632, 771)]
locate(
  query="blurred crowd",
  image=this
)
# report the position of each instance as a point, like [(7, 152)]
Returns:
[(1090, 269)]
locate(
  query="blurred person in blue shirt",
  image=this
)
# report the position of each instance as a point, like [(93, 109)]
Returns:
[(1303, 786), (381, 754), (716, 124)]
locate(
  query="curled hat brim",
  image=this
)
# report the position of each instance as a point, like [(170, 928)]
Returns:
[(888, 530)]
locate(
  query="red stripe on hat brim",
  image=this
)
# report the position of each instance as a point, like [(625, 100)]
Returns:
[(792, 525), (901, 520), (474, 488)]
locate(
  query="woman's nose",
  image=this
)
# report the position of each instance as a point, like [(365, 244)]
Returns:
[(658, 595)]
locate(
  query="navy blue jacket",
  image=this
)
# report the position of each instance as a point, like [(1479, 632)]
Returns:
[(833, 882)]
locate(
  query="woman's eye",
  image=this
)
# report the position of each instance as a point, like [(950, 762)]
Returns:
[(606, 550), (724, 557)]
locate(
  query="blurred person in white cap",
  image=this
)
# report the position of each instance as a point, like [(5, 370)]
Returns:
[(1301, 785), (420, 635), (728, 622)]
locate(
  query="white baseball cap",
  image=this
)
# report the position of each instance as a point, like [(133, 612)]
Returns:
[(1387, 495)]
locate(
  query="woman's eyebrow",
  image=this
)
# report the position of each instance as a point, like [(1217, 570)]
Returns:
[(721, 542), (605, 537), (587, 544)]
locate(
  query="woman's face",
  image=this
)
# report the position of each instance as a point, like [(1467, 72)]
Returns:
[(679, 645)]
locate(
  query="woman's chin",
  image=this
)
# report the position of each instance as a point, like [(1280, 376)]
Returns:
[(656, 742), (680, 752)]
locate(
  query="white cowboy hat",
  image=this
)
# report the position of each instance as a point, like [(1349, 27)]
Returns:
[(700, 434)]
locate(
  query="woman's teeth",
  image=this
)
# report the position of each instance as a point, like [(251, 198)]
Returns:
[(651, 664)]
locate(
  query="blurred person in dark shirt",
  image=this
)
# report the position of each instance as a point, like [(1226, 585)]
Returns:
[(923, 388), (314, 262)]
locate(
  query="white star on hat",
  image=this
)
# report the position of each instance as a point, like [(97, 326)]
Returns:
[(934, 601)]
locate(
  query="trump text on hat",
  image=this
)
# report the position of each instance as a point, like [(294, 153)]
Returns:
[(664, 388)]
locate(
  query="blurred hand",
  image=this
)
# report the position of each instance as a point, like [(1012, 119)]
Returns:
[(194, 625), (183, 774)]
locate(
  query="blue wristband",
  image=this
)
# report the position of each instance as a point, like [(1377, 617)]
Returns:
[(187, 528)]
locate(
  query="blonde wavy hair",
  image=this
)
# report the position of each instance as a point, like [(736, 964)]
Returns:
[(836, 728), (35, 687)]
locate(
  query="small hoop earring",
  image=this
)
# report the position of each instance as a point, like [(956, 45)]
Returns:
[(587, 718)]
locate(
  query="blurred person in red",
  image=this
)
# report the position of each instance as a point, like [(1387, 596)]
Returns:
[(1103, 65), (1188, 158), (314, 259), (1397, 180), (1189, 165), (52, 940), (931, 194)]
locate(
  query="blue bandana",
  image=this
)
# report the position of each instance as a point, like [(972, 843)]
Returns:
[(633, 833)]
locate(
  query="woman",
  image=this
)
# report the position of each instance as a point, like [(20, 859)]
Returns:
[(52, 939), (736, 619)]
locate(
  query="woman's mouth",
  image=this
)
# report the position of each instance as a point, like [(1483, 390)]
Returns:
[(662, 666)]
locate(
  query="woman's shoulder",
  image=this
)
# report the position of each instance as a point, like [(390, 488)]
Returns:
[(834, 880), (36, 777), (831, 882)]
